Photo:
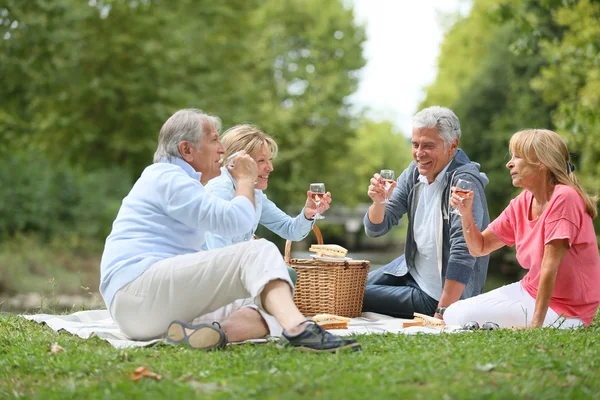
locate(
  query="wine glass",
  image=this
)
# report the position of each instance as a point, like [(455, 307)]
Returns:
[(387, 178), (317, 191), (230, 161), (462, 188)]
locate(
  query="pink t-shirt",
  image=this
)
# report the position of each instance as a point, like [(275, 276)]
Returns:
[(577, 288)]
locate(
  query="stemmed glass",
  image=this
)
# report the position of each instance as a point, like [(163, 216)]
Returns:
[(230, 161), (388, 178), (317, 191), (462, 188)]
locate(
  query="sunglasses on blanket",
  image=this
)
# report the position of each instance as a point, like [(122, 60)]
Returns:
[(474, 325)]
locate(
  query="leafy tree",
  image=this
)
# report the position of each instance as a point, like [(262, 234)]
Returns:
[(492, 94), (92, 82), (571, 83), (465, 42), (376, 146), (566, 34)]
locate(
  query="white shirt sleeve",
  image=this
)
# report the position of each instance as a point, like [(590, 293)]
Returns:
[(185, 200)]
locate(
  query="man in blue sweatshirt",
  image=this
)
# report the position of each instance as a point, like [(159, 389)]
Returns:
[(155, 280), (436, 268)]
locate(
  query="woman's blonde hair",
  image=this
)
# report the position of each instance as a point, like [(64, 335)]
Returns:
[(248, 138), (547, 147)]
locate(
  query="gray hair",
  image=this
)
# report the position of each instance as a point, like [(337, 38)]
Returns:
[(186, 124), (443, 119)]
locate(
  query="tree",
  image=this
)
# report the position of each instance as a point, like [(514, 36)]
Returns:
[(92, 82), (376, 146), (565, 34), (571, 83), (492, 95)]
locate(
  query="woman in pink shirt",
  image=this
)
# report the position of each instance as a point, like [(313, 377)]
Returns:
[(550, 225)]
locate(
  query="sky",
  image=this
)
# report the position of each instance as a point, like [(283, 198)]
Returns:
[(403, 42)]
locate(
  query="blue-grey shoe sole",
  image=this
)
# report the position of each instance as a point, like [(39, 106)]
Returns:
[(200, 337)]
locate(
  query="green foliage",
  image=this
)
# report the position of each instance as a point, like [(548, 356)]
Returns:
[(86, 87), (467, 40), (498, 102), (53, 199), (314, 53), (565, 35), (376, 146), (503, 364), (92, 82), (491, 95), (571, 83), (498, 91), (534, 64)]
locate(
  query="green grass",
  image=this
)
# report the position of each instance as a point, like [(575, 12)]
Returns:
[(63, 265), (529, 364)]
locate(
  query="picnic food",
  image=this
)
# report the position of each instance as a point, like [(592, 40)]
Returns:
[(429, 321), (329, 250), (330, 321), (413, 323)]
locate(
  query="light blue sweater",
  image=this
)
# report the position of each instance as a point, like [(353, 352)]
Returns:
[(266, 214), (167, 213)]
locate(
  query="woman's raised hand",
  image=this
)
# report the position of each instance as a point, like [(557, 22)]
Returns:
[(243, 167), (461, 200), (377, 189), (310, 207)]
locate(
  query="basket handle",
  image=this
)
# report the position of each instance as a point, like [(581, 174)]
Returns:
[(288, 243)]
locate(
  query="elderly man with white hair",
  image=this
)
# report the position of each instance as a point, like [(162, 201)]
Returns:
[(156, 281), (436, 268)]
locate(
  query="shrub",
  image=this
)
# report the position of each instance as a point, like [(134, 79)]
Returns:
[(50, 199)]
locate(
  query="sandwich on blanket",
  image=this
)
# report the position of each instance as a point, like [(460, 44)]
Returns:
[(329, 250), (330, 321), (424, 320)]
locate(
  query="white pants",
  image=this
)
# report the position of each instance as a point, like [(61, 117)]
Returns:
[(189, 286), (507, 306), (222, 313)]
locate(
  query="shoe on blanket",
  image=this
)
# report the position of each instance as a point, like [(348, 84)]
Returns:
[(200, 337), (316, 340)]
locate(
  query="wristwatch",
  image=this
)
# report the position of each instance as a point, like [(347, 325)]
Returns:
[(440, 310)]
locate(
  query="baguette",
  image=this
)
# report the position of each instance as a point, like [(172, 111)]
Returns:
[(330, 321), (429, 321)]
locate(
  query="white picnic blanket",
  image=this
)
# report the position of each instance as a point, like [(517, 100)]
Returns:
[(86, 324)]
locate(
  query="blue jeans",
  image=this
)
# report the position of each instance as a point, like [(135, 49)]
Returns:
[(397, 296)]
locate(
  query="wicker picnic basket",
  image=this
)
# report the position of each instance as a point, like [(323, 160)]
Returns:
[(331, 287)]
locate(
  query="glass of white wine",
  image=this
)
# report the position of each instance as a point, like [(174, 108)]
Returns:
[(317, 191), (387, 178), (462, 189)]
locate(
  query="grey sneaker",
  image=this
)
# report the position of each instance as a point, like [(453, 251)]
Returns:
[(316, 340), (200, 337)]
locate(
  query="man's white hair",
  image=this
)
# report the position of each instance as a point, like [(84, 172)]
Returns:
[(443, 119), (186, 124)]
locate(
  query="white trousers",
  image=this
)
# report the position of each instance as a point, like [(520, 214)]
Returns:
[(507, 306), (190, 286)]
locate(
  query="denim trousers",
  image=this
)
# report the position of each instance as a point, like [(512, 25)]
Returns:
[(396, 296)]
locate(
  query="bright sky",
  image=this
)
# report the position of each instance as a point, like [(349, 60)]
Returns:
[(403, 41)]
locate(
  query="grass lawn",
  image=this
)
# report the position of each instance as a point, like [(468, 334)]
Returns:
[(504, 364)]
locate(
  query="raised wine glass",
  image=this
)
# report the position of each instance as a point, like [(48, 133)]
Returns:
[(387, 178), (462, 189), (317, 191)]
